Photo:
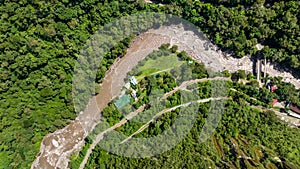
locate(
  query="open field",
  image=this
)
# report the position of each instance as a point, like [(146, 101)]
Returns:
[(154, 66), (161, 63)]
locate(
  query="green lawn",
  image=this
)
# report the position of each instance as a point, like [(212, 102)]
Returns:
[(160, 64)]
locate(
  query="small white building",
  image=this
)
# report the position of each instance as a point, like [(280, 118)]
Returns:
[(133, 80), (133, 94), (127, 85)]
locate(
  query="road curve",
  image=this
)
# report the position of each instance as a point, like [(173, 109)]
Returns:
[(57, 147)]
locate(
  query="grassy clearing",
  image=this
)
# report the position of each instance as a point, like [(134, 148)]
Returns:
[(160, 64), (146, 72)]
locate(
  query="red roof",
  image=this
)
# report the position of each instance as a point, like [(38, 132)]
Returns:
[(273, 88), (274, 101)]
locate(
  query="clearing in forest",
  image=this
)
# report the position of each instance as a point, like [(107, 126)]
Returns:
[(158, 65)]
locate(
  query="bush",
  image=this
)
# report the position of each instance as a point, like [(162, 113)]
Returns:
[(242, 74)]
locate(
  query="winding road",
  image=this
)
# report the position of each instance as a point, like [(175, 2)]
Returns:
[(57, 147), (133, 114)]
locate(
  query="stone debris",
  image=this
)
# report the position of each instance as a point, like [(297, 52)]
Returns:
[(55, 143)]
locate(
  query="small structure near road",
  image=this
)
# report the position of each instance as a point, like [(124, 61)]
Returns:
[(133, 94), (133, 80), (127, 85), (293, 110), (273, 88)]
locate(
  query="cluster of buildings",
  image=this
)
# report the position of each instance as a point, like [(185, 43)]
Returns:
[(134, 82), (293, 110), (260, 66), (124, 99)]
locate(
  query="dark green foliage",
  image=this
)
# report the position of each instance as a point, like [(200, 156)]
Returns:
[(253, 83), (245, 136), (40, 41), (243, 131), (118, 50), (39, 44), (242, 74), (235, 77)]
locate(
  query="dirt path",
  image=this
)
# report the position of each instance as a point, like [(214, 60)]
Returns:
[(168, 110), (57, 147), (100, 136), (292, 121), (190, 82), (133, 114)]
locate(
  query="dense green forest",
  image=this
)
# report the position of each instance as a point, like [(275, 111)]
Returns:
[(244, 138), (40, 41)]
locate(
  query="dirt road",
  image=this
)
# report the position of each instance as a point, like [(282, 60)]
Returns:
[(190, 82), (100, 136), (57, 147), (133, 114), (165, 111)]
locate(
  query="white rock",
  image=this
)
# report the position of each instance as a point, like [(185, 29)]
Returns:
[(55, 143)]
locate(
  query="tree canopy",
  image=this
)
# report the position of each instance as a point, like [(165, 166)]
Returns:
[(40, 41)]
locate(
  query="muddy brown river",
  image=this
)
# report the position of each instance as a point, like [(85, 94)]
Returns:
[(57, 147)]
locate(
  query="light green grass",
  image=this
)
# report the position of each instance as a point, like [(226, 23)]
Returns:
[(158, 65), (146, 72), (161, 63)]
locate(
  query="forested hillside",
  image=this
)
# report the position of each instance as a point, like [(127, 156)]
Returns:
[(39, 44), (238, 26), (245, 138), (40, 41), (250, 135)]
